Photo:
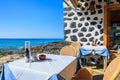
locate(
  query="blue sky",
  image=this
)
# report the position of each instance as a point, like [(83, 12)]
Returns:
[(31, 19)]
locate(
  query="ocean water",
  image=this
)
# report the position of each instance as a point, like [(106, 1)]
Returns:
[(16, 44)]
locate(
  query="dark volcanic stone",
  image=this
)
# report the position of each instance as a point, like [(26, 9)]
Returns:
[(79, 14), (73, 38), (86, 13), (67, 9), (88, 44), (75, 30), (75, 18), (81, 44), (95, 18), (73, 25), (86, 24), (101, 31), (88, 8), (101, 19), (98, 6), (70, 14), (82, 8), (67, 31), (84, 29), (101, 38), (96, 33), (101, 22), (82, 19), (96, 41), (101, 43), (88, 18), (83, 39), (91, 39), (91, 29), (86, 4), (65, 14), (80, 25), (80, 34), (93, 23), (65, 24), (100, 11), (88, 35), (67, 19), (99, 26)]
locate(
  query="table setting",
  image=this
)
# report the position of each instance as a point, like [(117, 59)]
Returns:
[(41, 67), (99, 50), (88, 49)]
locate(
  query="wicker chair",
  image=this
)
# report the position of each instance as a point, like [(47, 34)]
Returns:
[(113, 54), (84, 74), (110, 73), (68, 51), (76, 45)]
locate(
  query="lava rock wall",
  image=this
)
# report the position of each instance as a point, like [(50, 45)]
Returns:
[(84, 26)]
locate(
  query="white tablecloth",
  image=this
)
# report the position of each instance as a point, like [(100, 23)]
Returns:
[(96, 48), (100, 50), (40, 70)]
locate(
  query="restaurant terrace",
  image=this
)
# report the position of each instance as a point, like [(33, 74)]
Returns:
[(90, 50)]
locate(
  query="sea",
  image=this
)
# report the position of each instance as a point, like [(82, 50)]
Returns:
[(14, 45)]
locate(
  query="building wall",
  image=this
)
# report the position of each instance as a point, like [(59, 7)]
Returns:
[(83, 25)]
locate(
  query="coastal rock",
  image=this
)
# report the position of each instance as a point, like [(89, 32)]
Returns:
[(6, 57), (54, 48)]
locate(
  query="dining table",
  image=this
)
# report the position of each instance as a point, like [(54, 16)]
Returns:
[(95, 50), (54, 67)]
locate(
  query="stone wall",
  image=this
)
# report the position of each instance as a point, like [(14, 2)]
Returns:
[(83, 25)]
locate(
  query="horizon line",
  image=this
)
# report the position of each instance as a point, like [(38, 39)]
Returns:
[(31, 38)]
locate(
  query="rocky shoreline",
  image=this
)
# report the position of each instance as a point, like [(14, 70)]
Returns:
[(51, 48)]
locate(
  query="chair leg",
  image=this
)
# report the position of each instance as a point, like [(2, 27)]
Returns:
[(104, 63)]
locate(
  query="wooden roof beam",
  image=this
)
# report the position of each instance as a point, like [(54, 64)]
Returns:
[(74, 3), (67, 4)]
